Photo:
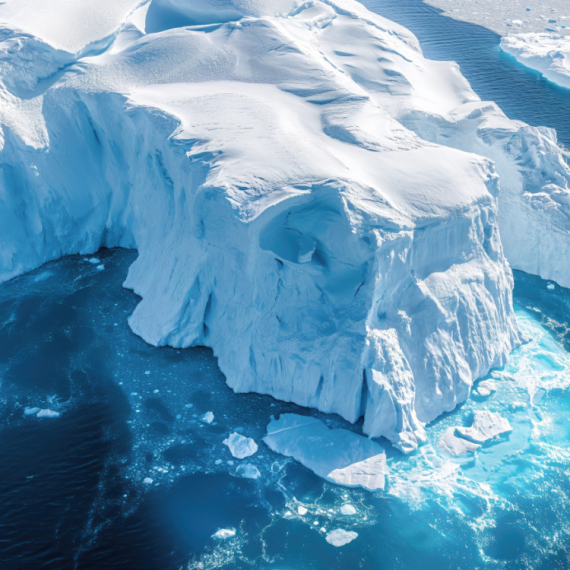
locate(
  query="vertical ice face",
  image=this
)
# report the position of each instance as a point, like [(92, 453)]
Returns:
[(282, 213)]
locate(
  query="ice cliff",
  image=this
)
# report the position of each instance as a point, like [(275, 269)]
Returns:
[(294, 176)]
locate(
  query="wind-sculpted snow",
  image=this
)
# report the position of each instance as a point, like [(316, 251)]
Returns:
[(547, 53), (284, 213)]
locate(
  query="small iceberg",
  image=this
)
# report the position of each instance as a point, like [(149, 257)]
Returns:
[(207, 418), (339, 537), (348, 510), (454, 445), (31, 411), (338, 455), (224, 533), (48, 414), (248, 471), (94, 260), (240, 446)]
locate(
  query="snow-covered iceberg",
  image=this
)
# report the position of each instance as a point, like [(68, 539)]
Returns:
[(273, 164), (338, 455), (546, 53)]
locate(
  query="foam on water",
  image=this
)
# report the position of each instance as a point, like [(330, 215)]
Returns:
[(164, 482)]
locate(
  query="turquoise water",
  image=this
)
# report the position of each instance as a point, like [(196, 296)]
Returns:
[(73, 488)]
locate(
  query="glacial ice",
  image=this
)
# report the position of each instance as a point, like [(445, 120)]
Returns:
[(339, 537), (546, 53), (240, 446), (338, 455), (207, 418), (31, 411), (224, 533), (348, 509), (454, 445), (292, 192)]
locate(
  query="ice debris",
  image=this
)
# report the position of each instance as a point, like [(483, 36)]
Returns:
[(240, 446), (339, 537), (207, 418), (48, 414), (248, 471), (486, 426), (224, 533), (338, 455)]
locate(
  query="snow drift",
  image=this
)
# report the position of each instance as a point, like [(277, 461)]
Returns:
[(278, 166)]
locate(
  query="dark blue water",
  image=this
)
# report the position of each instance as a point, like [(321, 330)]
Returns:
[(73, 490), (521, 93)]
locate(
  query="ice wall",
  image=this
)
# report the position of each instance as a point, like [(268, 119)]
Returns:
[(283, 213)]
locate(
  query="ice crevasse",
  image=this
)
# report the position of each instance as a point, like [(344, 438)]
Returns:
[(281, 170)]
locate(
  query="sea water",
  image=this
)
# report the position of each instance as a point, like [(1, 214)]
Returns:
[(128, 476)]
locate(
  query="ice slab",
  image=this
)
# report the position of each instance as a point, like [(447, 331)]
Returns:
[(339, 537), (486, 426), (240, 446), (348, 509), (31, 411), (454, 445), (338, 455), (207, 418)]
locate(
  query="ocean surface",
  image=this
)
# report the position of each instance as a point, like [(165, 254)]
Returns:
[(127, 476)]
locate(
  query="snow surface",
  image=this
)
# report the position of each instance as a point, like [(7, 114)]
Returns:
[(287, 175), (547, 53), (240, 446), (338, 455)]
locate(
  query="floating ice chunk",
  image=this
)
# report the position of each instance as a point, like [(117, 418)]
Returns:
[(302, 510), (224, 533), (454, 445), (339, 537), (551, 286), (100, 267), (338, 455), (486, 387), (348, 509), (486, 426), (31, 411), (248, 471), (207, 418), (218, 462), (147, 481), (240, 446), (48, 414), (189, 406), (94, 260)]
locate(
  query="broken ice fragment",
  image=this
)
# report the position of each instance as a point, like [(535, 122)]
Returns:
[(31, 411), (348, 510), (339, 537), (48, 414), (224, 533), (248, 471), (240, 446), (454, 445), (486, 426), (207, 418)]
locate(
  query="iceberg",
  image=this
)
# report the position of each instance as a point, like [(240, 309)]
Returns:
[(337, 455), (46, 413), (547, 53), (290, 204), (248, 471), (224, 533), (486, 426), (240, 446)]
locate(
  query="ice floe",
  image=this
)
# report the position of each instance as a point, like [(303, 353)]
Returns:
[(339, 537), (240, 446), (338, 455)]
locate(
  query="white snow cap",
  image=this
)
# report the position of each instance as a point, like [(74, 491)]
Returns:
[(240, 446)]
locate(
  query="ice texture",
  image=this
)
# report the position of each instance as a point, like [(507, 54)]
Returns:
[(240, 446), (309, 196), (338, 455), (248, 471), (547, 53)]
